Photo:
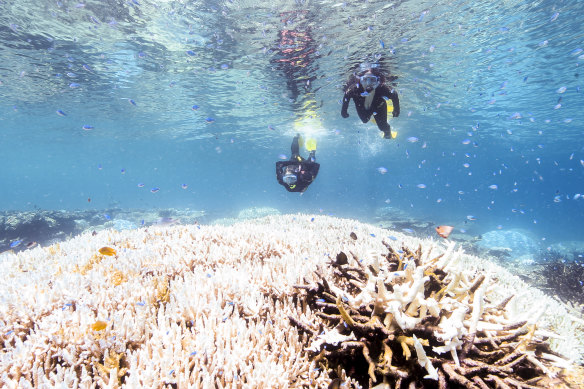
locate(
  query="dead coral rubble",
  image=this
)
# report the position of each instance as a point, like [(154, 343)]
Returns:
[(403, 320)]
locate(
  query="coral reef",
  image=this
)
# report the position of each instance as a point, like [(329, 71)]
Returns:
[(255, 212), (516, 245), (560, 277), (48, 227), (216, 306), (570, 250), (404, 304), (246, 214)]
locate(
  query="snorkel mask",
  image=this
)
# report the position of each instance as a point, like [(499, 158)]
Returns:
[(369, 81), (289, 179)]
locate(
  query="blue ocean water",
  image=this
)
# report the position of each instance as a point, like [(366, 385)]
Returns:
[(102, 101)]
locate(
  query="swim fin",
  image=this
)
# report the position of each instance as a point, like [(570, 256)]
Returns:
[(311, 144), (300, 141), (385, 135)]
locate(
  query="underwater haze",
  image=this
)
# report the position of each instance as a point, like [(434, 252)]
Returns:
[(103, 102)]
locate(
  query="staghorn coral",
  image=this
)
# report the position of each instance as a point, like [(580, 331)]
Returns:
[(406, 301), (223, 311)]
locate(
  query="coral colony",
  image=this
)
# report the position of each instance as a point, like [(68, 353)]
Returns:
[(280, 301)]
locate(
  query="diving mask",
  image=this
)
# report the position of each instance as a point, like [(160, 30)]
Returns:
[(369, 82), (289, 179)]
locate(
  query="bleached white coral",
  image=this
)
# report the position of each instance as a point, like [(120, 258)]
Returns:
[(206, 306), (332, 337), (424, 361)]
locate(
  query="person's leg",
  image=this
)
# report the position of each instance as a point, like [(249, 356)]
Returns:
[(381, 119), (312, 156), (295, 148), (363, 114)]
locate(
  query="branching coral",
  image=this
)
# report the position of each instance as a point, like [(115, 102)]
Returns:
[(211, 306), (409, 313)]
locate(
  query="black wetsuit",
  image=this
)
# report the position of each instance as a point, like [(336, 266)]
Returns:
[(305, 170), (378, 107)]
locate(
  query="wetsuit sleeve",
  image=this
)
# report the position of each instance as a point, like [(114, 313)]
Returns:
[(346, 99), (395, 100), (305, 179), (279, 166), (313, 169)]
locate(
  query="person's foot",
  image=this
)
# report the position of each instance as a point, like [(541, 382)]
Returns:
[(387, 134)]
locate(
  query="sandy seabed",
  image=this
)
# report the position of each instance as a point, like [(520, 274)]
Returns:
[(200, 305)]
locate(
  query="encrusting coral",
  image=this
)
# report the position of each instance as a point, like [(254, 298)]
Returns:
[(217, 306)]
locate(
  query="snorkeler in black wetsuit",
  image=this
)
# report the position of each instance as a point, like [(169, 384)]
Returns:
[(297, 173), (368, 91)]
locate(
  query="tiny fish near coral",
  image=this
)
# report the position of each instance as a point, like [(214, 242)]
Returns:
[(107, 251), (444, 231), (99, 325)]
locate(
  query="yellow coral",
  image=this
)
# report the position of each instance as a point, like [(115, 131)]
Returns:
[(54, 249), (162, 288), (94, 260), (118, 277), (111, 360)]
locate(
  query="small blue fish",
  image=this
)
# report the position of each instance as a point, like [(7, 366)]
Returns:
[(210, 120), (471, 217), (106, 216), (382, 170), (61, 113), (421, 186), (195, 107), (412, 139), (123, 171), (87, 68), (131, 102), (282, 157), (16, 243), (224, 66), (87, 127), (140, 185), (154, 190), (184, 186), (270, 127), (74, 85), (99, 167), (191, 53), (554, 17)]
